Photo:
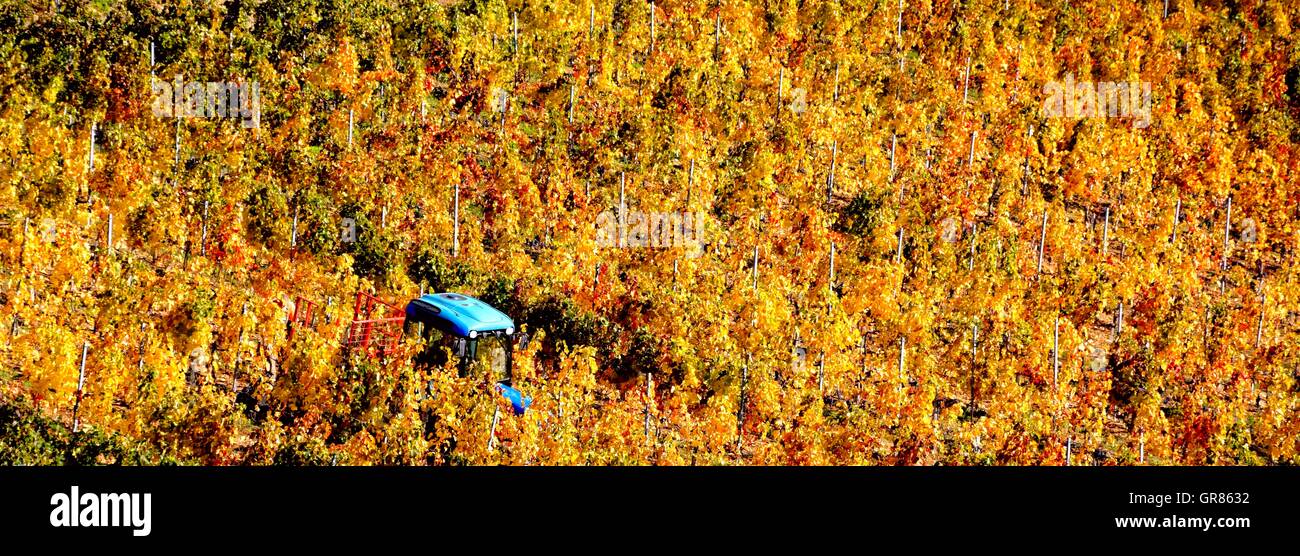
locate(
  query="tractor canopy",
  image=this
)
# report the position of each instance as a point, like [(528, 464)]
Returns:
[(459, 314)]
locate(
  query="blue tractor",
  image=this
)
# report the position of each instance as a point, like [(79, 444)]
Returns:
[(475, 333)]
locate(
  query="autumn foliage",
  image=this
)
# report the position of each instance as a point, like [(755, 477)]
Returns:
[(904, 260)]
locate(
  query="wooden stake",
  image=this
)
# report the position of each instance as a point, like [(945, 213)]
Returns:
[(740, 409), (622, 209), (90, 161), (1056, 351), (690, 183), (974, 344), (898, 259), (1119, 320), (835, 96), (821, 373), (1227, 230), (830, 178), (652, 26), (971, 264), (717, 36), (965, 88), (492, 433), (1259, 329), (900, 21), (893, 146), (1042, 242), (755, 271), (902, 358), (455, 219), (350, 129), (572, 89), (832, 270), (1105, 233), (971, 161), (649, 395), (81, 385)]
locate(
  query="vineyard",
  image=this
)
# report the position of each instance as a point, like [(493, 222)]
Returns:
[(902, 256)]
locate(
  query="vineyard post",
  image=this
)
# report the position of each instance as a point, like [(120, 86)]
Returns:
[(1105, 233), (821, 373), (591, 24), (717, 35), (383, 216), (1119, 320), (1042, 243), (970, 162), (239, 351), (1166, 16), (649, 394), (293, 233), (835, 94), (830, 179), (755, 270), (898, 258), (831, 274), (492, 432), (572, 89), (108, 244), (864, 354), (1259, 329), (970, 265), (674, 274), (622, 209), (893, 145), (974, 344), (455, 219), (90, 160), (350, 121), (1227, 229), (1069, 448), (151, 63), (1024, 180), (965, 88), (176, 165), (690, 183), (902, 366), (652, 26), (139, 363), (900, 23), (1056, 351), (81, 385), (740, 406)]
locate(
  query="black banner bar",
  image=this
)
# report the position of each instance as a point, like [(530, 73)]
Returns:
[(324, 505)]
